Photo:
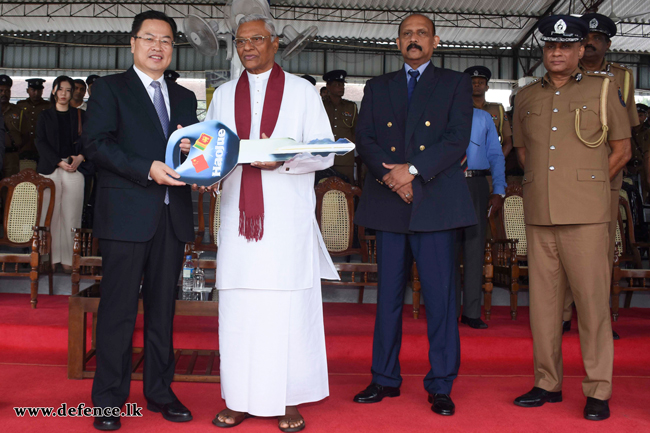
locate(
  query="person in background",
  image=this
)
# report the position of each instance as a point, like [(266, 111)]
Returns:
[(641, 140), (78, 95), (60, 149), (171, 75), (324, 94), (11, 124), (484, 158), (480, 79), (342, 114), (30, 110), (90, 80), (309, 78)]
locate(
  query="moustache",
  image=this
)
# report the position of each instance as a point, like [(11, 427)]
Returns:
[(590, 47), (413, 45)]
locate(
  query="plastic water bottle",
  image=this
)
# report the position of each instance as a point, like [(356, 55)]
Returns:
[(188, 274)]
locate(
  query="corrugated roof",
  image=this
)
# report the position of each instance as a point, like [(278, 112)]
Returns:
[(118, 17)]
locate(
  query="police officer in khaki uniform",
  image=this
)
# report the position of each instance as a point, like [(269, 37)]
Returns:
[(11, 118), (597, 43), (30, 109), (480, 78), (561, 134), (343, 118)]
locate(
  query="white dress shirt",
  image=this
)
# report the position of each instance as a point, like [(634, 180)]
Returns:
[(147, 80)]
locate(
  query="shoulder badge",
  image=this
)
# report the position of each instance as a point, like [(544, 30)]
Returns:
[(620, 97), (536, 80), (618, 66)]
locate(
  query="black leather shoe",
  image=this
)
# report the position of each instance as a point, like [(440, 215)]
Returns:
[(566, 326), (174, 411), (537, 397), (376, 393), (473, 323), (596, 410), (442, 404), (107, 423)]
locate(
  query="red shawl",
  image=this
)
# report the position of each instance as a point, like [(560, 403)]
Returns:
[(251, 196)]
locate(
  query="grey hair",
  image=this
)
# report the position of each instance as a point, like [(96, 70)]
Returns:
[(268, 23)]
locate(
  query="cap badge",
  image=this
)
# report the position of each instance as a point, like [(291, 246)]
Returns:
[(560, 27), (593, 24), (475, 72)]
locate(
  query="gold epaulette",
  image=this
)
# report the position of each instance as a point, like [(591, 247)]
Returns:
[(619, 66), (601, 74), (627, 80)]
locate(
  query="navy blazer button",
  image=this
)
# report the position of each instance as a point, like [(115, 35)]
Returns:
[(427, 123), (392, 149), (422, 147), (389, 124)]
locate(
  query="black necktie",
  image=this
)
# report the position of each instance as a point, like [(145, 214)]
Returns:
[(412, 82)]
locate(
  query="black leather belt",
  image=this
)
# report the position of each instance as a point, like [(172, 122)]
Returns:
[(477, 173)]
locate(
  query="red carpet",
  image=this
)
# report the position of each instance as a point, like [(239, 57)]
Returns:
[(496, 366)]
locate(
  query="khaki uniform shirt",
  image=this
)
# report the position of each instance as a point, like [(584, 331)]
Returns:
[(343, 119), (29, 113), (11, 117), (566, 182), (499, 117), (624, 80)]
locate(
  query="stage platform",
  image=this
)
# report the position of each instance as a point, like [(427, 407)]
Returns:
[(496, 367)]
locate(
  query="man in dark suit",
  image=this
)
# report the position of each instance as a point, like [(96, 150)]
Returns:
[(413, 131), (143, 217)]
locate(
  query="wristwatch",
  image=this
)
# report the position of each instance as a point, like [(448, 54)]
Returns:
[(412, 170)]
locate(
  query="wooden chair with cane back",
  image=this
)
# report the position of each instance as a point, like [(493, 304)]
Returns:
[(509, 246), (86, 258), (25, 227), (627, 261), (335, 203)]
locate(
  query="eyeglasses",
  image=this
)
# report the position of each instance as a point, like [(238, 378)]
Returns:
[(149, 42), (256, 41)]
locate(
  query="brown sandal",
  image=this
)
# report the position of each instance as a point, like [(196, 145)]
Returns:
[(229, 413), (288, 418)]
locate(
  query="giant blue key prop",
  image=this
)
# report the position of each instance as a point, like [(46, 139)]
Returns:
[(216, 151)]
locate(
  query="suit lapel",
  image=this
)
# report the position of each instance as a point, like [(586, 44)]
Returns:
[(173, 106), (421, 96), (140, 93), (399, 97)]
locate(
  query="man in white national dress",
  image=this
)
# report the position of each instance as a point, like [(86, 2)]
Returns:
[(271, 254)]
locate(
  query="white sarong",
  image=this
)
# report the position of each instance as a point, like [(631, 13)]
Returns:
[(272, 347)]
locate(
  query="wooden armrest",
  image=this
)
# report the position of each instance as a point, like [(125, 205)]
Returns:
[(40, 228), (503, 241)]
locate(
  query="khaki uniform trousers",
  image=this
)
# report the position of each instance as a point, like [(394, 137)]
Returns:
[(558, 257), (568, 301)]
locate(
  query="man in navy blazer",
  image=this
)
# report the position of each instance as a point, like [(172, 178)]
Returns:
[(143, 218), (413, 131)]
